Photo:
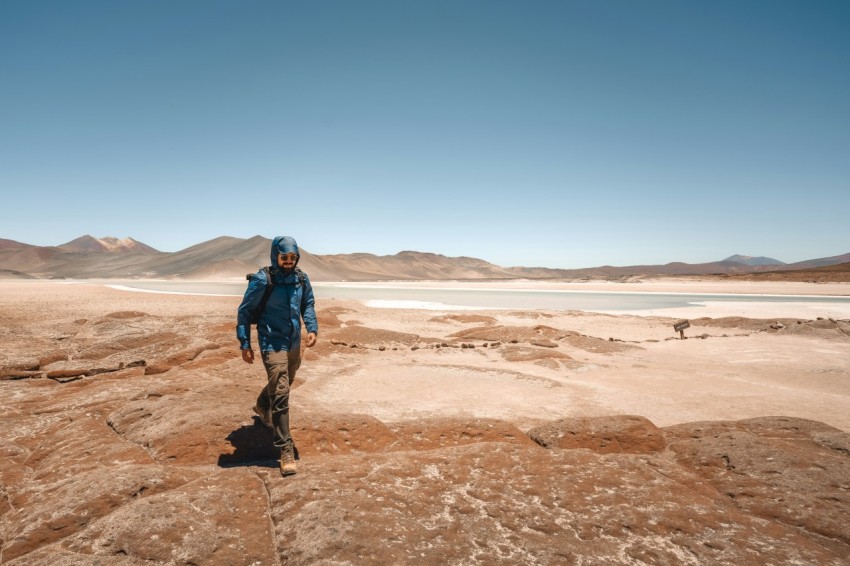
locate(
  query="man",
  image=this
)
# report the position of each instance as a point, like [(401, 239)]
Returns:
[(279, 336)]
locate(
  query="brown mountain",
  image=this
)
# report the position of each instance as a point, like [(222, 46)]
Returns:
[(108, 244), (411, 266), (610, 271), (85, 257), (12, 245), (11, 274), (221, 257), (229, 257), (750, 260), (821, 262), (826, 274)]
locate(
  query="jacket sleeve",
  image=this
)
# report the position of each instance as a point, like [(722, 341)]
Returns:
[(250, 302), (308, 309)]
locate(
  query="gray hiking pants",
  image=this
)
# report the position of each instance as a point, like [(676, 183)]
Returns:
[(280, 368)]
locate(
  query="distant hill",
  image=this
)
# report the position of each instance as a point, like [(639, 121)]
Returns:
[(228, 257), (820, 262), (85, 257), (637, 271), (12, 245), (749, 260), (89, 244), (408, 265), (11, 274), (826, 274), (221, 255)]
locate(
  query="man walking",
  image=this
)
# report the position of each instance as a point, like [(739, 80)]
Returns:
[(278, 299)]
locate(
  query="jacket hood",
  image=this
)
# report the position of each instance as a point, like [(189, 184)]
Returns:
[(284, 245)]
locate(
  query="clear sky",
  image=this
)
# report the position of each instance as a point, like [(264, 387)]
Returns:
[(560, 134)]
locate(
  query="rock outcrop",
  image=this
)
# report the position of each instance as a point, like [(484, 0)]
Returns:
[(162, 462), (159, 477)]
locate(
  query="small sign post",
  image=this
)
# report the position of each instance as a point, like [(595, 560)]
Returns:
[(680, 328)]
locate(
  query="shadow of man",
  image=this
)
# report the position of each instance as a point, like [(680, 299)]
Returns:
[(253, 446)]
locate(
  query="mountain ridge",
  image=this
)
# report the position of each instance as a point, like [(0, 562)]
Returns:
[(750, 260), (107, 244), (232, 257)]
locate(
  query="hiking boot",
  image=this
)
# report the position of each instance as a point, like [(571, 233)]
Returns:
[(287, 461), (264, 416)]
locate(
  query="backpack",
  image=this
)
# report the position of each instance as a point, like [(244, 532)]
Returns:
[(255, 316)]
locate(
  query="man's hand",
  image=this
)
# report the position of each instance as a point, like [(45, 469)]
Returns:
[(311, 339), (248, 356)]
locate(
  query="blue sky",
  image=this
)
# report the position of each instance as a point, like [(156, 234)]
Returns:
[(559, 134)]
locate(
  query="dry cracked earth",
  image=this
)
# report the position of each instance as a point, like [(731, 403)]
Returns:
[(127, 439)]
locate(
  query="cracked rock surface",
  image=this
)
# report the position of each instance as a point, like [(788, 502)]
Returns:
[(539, 445)]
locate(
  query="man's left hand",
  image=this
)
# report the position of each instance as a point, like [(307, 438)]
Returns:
[(311, 339)]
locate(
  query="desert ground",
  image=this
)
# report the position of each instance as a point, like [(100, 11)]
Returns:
[(434, 437)]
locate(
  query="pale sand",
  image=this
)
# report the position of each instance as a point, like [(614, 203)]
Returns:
[(748, 373)]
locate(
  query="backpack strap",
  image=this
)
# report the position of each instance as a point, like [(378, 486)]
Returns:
[(267, 292)]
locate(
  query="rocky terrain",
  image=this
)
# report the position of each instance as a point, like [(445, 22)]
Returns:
[(424, 437)]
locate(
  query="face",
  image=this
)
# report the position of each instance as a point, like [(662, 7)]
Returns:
[(286, 261)]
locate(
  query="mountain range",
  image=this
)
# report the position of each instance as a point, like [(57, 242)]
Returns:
[(227, 257)]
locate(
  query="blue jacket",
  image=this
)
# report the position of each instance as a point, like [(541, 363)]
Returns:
[(291, 300)]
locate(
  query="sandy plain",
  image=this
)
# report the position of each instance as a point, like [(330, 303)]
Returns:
[(740, 369), (161, 374), (735, 364)]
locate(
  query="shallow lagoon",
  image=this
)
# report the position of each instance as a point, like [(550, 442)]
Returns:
[(413, 297)]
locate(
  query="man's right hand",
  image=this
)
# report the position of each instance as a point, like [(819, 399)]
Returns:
[(248, 356)]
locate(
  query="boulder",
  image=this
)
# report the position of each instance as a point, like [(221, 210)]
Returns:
[(629, 434)]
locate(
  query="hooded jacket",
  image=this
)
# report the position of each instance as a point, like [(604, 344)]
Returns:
[(291, 300)]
